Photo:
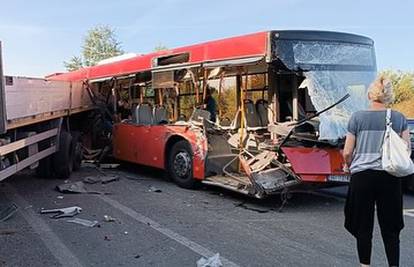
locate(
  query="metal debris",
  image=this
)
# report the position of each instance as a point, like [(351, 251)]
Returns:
[(7, 212), (108, 218), (63, 212), (8, 231), (84, 222), (243, 205), (100, 179), (76, 187), (109, 165), (154, 189), (213, 261)]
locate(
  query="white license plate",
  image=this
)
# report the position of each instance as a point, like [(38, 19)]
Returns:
[(339, 178)]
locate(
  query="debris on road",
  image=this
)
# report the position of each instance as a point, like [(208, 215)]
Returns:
[(109, 165), (8, 231), (154, 189), (125, 233), (60, 197), (63, 212), (84, 222), (213, 261), (100, 179), (7, 212), (137, 256), (76, 187), (108, 218), (107, 238), (244, 206)]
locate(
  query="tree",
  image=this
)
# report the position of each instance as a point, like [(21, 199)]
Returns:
[(403, 84), (160, 47), (73, 64), (99, 43)]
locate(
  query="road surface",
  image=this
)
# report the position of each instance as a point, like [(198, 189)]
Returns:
[(159, 224)]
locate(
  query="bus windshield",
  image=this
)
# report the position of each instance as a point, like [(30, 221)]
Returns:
[(332, 70)]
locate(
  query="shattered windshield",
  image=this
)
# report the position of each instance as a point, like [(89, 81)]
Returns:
[(332, 70)]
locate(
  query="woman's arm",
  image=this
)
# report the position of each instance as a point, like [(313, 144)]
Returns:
[(406, 136), (348, 149)]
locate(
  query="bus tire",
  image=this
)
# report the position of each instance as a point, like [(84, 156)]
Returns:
[(77, 150), (63, 159), (180, 165)]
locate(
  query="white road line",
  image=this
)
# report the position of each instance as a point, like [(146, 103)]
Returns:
[(199, 249), (409, 212), (62, 254)]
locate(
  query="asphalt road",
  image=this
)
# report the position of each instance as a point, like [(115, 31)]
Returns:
[(176, 227)]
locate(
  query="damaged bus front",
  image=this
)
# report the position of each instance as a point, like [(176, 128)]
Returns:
[(320, 79), (315, 81)]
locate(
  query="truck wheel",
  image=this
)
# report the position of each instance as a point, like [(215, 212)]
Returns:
[(180, 165), (44, 170), (77, 150), (63, 159)]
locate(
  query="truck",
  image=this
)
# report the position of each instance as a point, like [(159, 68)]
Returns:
[(281, 121), (41, 125)]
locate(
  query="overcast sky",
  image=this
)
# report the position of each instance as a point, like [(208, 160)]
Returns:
[(39, 35)]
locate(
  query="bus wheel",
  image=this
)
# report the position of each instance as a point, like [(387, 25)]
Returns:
[(63, 159), (180, 165), (77, 150)]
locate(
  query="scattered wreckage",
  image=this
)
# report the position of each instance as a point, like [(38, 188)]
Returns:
[(290, 94)]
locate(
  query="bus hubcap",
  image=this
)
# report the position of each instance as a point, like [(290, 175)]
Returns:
[(182, 164)]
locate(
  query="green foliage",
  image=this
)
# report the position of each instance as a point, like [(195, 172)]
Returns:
[(403, 84), (99, 43), (73, 64), (160, 47)]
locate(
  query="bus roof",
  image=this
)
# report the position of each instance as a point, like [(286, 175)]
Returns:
[(245, 46)]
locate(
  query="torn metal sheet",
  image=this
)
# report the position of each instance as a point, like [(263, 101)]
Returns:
[(63, 212), (76, 187), (100, 179), (84, 222), (7, 212), (213, 261)]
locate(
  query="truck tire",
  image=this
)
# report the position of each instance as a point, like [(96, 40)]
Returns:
[(63, 159), (77, 150), (180, 165), (44, 170)]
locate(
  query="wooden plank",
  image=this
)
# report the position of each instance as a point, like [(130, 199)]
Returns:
[(27, 141), (26, 162)]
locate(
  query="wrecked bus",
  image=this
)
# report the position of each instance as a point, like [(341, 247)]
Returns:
[(286, 131)]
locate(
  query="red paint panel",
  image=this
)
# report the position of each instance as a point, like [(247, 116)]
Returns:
[(236, 47), (314, 164), (147, 144)]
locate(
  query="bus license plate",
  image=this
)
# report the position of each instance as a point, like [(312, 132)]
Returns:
[(339, 178)]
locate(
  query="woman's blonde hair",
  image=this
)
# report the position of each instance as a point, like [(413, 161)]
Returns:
[(381, 90)]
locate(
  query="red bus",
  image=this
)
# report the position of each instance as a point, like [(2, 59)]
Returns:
[(284, 99)]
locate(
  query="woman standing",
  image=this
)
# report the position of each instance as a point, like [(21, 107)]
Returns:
[(370, 185)]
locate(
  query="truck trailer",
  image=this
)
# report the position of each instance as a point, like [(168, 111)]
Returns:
[(41, 125)]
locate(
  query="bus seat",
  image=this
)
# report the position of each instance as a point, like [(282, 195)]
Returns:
[(262, 111), (199, 115), (144, 114), (160, 115)]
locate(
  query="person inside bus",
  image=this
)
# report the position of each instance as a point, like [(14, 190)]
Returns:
[(370, 186), (210, 103)]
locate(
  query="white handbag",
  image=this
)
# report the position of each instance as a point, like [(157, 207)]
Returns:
[(395, 152)]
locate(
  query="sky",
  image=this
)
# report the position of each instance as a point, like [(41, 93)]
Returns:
[(37, 36)]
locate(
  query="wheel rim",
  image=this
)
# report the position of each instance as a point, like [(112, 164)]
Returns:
[(182, 164)]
